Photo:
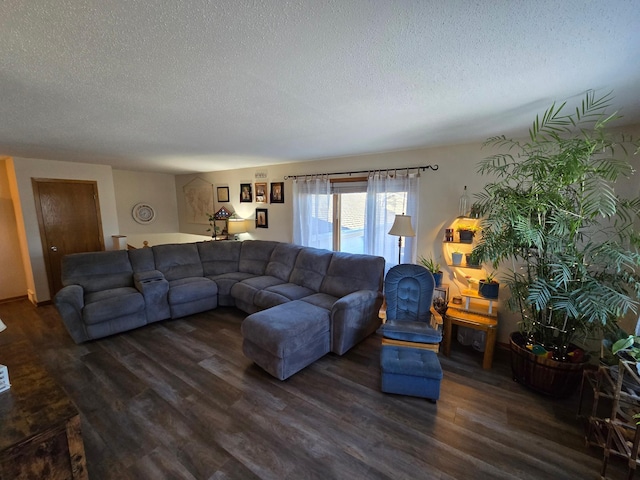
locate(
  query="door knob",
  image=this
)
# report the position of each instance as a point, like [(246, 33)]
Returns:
[(54, 249)]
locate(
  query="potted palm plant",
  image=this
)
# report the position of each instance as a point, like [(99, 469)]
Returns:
[(551, 214)]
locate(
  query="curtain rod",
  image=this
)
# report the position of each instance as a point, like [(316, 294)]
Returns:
[(423, 168)]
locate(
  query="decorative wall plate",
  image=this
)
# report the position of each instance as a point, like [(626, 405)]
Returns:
[(143, 213)]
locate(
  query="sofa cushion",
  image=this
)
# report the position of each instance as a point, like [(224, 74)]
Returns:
[(176, 261), (107, 305), (285, 329), (245, 290), (142, 259), (350, 272), (279, 294), (282, 261), (97, 271), (320, 300), (255, 256), (227, 280), (190, 289), (410, 331), (311, 267), (219, 257)]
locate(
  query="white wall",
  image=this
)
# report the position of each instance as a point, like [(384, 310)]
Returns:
[(13, 282), (440, 190), (22, 170), (154, 189), (439, 195)]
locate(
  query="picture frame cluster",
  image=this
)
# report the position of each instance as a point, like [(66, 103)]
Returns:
[(259, 192)]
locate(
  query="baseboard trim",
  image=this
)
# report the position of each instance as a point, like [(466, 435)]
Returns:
[(13, 299)]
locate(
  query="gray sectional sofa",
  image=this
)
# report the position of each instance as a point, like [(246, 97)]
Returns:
[(302, 302)]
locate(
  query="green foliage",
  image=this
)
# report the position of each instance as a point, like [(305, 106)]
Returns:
[(552, 212), (630, 345), (430, 264), (491, 277), (468, 227)]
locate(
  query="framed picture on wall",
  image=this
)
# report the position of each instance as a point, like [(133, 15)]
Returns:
[(261, 193), (262, 218), (223, 194), (246, 194), (277, 192)]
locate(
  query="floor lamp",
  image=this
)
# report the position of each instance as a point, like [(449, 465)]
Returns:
[(402, 228)]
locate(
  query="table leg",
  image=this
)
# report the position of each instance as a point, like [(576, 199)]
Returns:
[(446, 340), (489, 345)]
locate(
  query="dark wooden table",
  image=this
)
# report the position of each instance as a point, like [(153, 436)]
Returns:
[(40, 434)]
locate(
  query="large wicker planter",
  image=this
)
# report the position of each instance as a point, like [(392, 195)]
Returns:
[(544, 375)]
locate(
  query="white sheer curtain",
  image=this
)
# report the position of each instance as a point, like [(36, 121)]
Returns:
[(312, 212), (390, 193)]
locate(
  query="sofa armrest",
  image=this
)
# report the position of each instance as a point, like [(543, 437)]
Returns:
[(69, 302), (154, 288), (353, 318)]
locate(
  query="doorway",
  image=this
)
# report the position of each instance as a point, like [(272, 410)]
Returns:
[(69, 220)]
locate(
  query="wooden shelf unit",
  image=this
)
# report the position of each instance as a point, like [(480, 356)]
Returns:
[(473, 313), (610, 423)]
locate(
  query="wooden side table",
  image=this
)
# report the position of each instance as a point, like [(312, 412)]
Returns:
[(39, 425), (477, 313)]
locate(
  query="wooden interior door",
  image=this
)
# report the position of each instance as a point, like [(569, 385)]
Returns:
[(70, 222)]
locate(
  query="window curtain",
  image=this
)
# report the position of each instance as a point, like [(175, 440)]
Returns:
[(312, 212), (389, 194)]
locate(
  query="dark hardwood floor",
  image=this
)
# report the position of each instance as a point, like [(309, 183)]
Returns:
[(178, 400)]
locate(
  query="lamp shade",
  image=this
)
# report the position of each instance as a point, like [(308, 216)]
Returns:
[(236, 225), (2, 326), (402, 227)]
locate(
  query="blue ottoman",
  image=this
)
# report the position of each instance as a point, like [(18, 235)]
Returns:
[(410, 371)]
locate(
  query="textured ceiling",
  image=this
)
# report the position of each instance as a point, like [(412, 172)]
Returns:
[(191, 86)]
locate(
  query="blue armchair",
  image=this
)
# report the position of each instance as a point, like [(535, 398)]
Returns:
[(411, 334), (411, 318)]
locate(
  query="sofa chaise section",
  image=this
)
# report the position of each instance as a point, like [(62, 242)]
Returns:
[(286, 338), (291, 335)]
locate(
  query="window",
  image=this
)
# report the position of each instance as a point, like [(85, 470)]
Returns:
[(350, 205), (355, 215)]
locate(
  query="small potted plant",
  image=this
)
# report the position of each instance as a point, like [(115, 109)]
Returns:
[(489, 286), (472, 260), (467, 232), (434, 267), (456, 257)]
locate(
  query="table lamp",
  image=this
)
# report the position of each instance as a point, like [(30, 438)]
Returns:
[(402, 228), (235, 226)]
